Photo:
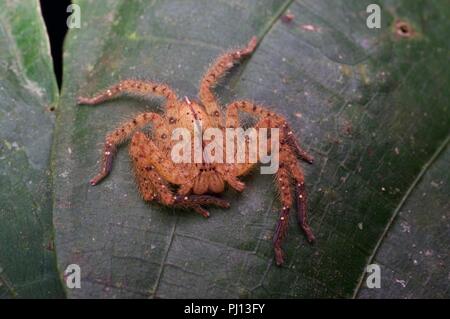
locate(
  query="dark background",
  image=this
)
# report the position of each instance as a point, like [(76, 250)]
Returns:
[(55, 16)]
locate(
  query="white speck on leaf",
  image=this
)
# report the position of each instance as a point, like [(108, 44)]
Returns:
[(64, 174), (310, 28), (434, 184), (401, 282), (406, 228)]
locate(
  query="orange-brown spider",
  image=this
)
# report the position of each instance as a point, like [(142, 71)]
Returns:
[(187, 184)]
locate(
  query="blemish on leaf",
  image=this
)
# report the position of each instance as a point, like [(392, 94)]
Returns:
[(347, 128), (406, 228), (287, 18), (345, 70), (133, 36), (362, 69), (50, 246), (310, 28), (434, 184), (7, 144), (404, 29), (401, 282)]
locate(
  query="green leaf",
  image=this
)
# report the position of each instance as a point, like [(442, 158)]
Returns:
[(27, 92), (414, 254), (371, 106)]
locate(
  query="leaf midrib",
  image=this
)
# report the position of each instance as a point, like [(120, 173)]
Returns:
[(260, 36)]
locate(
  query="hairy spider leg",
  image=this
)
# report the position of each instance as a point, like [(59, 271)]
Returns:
[(266, 118), (232, 120), (220, 66), (284, 190), (135, 87), (301, 196), (148, 168), (116, 137), (152, 156), (292, 140), (288, 168)]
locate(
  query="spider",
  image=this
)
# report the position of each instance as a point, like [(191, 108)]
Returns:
[(192, 185)]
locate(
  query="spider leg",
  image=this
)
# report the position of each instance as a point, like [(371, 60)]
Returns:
[(288, 167), (186, 188), (196, 201), (234, 182), (257, 110), (133, 87), (116, 137), (230, 172), (300, 193), (284, 189), (267, 119), (147, 154), (220, 66), (152, 168), (292, 141), (146, 187), (245, 168)]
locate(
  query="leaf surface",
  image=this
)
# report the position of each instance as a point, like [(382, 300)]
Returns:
[(28, 91), (413, 257), (370, 105)]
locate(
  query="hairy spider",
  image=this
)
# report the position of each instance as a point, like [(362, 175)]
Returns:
[(187, 185)]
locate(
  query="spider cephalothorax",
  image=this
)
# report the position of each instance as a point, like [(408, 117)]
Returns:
[(191, 185)]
